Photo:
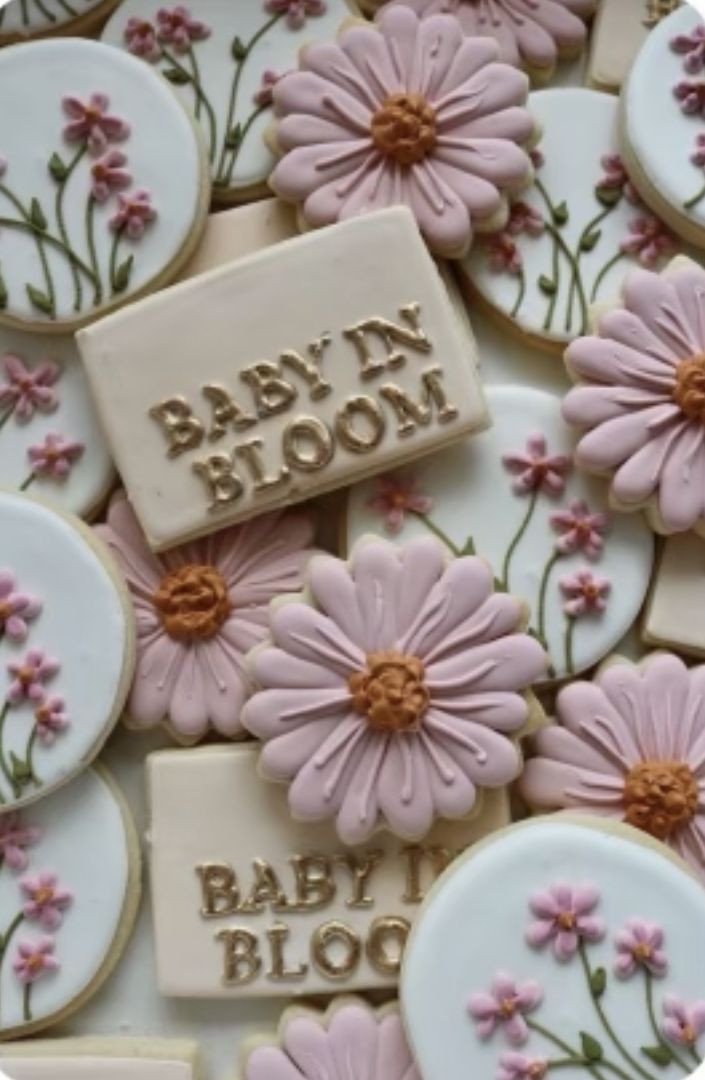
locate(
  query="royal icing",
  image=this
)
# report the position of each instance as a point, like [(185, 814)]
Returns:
[(95, 1068), (641, 401), (68, 885), (392, 692), (232, 234), (25, 18), (100, 1059), (675, 612), (513, 496), (342, 383), (435, 123), (66, 649), (224, 61), (199, 610), (573, 234), (275, 907), (619, 31), (559, 946), (111, 198)]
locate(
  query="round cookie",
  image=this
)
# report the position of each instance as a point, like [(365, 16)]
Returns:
[(69, 892), (103, 185), (51, 441), (66, 648), (559, 945), (573, 234), (513, 495), (661, 123), (228, 88), (23, 19)]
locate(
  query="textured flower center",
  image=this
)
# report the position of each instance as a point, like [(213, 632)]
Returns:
[(404, 128), (566, 920), (35, 963), (193, 602), (391, 691), (44, 894), (25, 676), (660, 797), (5, 610), (688, 1033), (643, 951), (508, 1007), (689, 391)]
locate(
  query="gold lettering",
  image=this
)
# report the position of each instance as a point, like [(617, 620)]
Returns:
[(183, 431), (383, 932), (410, 412), (218, 474), (309, 370), (391, 334), (266, 889), (272, 394), (360, 867), (242, 962), (225, 410), (350, 438), (414, 856), (219, 889), (315, 887), (328, 934), (307, 429), (250, 454), (278, 935)]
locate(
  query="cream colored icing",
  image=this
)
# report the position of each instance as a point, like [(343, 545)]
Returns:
[(675, 614), (95, 1068), (620, 29)]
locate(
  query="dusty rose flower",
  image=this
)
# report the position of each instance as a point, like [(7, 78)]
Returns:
[(55, 457), (108, 174), (141, 39), (537, 470), (698, 155), (692, 46), (93, 123), (640, 945), (584, 593), (514, 1066), (505, 1005), (15, 837), (503, 255), (28, 389), (524, 219), (691, 95), (176, 27), (398, 495), (296, 11), (29, 676), (580, 529), (34, 959), (683, 1023), (537, 158), (16, 608), (134, 214), (265, 94), (648, 239), (50, 719), (46, 901), (616, 178), (563, 918)]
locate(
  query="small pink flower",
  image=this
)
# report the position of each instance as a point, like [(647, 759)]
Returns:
[(691, 95), (580, 530), (537, 470), (27, 390), (503, 254), (616, 178), (296, 11), (177, 28), (584, 593), (46, 902), (537, 158), (108, 174), (92, 123), (692, 46), (264, 95), (14, 838), (50, 719), (15, 608), (648, 239), (34, 958), (396, 496), (563, 917), (141, 39), (640, 944), (698, 155), (55, 457), (505, 1004), (29, 675), (134, 213), (683, 1023), (514, 1066), (524, 219)]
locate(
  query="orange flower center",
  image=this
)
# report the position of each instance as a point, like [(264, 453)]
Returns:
[(660, 797), (689, 391), (391, 691), (5, 610), (643, 951), (404, 128), (193, 602), (44, 894), (25, 675), (566, 920), (35, 962), (507, 1007)]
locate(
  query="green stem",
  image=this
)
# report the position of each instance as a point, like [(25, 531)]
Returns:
[(235, 153), (521, 294), (67, 7), (6, 416), (4, 768), (573, 1056), (11, 223), (61, 224), (569, 633), (541, 188), (45, 11), (196, 78), (542, 594), (29, 758), (9, 934), (48, 280), (603, 274), (113, 257), (27, 482), (649, 983), (201, 96), (437, 532), (590, 227), (92, 254), (560, 242), (695, 199), (26, 1002), (518, 536)]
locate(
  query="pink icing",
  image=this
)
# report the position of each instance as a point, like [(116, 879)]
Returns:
[(476, 666), (331, 163), (628, 408)]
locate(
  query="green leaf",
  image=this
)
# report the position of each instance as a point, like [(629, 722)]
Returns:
[(598, 982), (592, 1050), (122, 275), (3, 292), (232, 139), (36, 215), (238, 49), (57, 168), (499, 586), (590, 239), (660, 1055), (469, 548), (608, 196), (547, 285), (40, 300), (20, 768), (560, 213), (178, 78)]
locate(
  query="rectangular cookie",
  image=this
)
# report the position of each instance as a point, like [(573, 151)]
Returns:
[(675, 611), (100, 1059), (621, 28)]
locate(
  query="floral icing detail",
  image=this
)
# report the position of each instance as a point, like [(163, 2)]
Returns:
[(584, 593), (503, 255), (28, 389), (200, 608), (265, 94), (29, 676), (563, 918), (50, 719), (580, 530), (45, 899), (296, 11), (141, 39), (396, 132), (616, 180), (515, 1066), (16, 608), (415, 685), (55, 457), (535, 469), (683, 1023), (35, 958), (134, 213), (396, 496), (177, 27), (524, 218), (109, 174), (640, 944), (505, 1005), (604, 755), (690, 93), (15, 838), (692, 47), (91, 121), (648, 240)]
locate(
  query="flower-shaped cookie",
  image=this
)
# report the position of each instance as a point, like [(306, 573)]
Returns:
[(641, 402), (629, 745), (393, 690), (408, 111)]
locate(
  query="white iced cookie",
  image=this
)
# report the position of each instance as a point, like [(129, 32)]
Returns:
[(103, 184), (23, 19), (573, 234), (69, 890), (513, 496), (224, 59), (96, 1058), (51, 442), (561, 946), (66, 648)]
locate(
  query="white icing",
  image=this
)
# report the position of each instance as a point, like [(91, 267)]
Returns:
[(27, 16), (74, 417), (84, 842), (164, 157), (277, 50), (675, 614), (659, 134), (83, 624), (95, 1068), (472, 495), (473, 926)]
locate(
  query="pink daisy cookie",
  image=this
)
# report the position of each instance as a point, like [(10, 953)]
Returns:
[(406, 111)]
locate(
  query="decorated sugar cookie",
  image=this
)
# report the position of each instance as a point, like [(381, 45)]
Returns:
[(51, 442), (103, 185), (572, 236), (69, 890), (435, 123), (640, 402), (22, 19), (561, 946), (675, 612), (97, 1058), (393, 691), (669, 171), (619, 31), (66, 648), (513, 496), (224, 60), (607, 754)]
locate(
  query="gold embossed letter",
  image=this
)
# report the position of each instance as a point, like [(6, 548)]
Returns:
[(277, 936), (410, 413), (218, 474), (182, 429), (242, 962), (390, 334), (219, 889), (272, 394), (360, 867), (315, 886), (327, 935), (385, 932)]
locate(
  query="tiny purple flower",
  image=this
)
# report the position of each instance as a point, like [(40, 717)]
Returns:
[(692, 46), (691, 95), (648, 240), (537, 470), (108, 174), (14, 838), (579, 529), (640, 944), (514, 1066), (524, 219), (265, 94), (92, 122), (27, 390), (134, 213), (141, 39), (45, 900), (34, 958), (55, 457), (50, 719), (296, 11), (178, 28), (29, 676), (397, 496), (503, 255), (505, 1005), (563, 917), (15, 608), (584, 593), (683, 1023)]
